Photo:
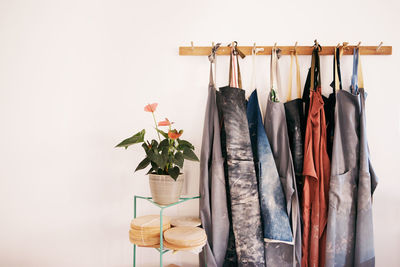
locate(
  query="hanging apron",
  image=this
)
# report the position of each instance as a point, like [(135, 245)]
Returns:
[(243, 188), (288, 254), (296, 125), (274, 215), (316, 172), (350, 239), (330, 102), (329, 108), (212, 205)]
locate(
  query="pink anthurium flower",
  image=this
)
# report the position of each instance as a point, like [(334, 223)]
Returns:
[(166, 122), (150, 107), (174, 134)]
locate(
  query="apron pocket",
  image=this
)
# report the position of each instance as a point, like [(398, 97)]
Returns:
[(342, 191)]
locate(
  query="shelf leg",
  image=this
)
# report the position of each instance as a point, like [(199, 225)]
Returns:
[(134, 255), (161, 237), (134, 246)]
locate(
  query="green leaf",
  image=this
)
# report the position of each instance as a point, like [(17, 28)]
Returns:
[(163, 133), (189, 154), (153, 165), (145, 147), (184, 143), (143, 164), (163, 143), (157, 159), (179, 159), (137, 138), (154, 144), (150, 171), (174, 172)]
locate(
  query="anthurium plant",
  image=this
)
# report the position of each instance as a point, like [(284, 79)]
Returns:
[(165, 155)]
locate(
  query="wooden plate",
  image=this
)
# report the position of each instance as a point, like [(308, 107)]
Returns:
[(186, 221), (149, 232), (149, 222), (185, 236), (174, 247), (144, 242)]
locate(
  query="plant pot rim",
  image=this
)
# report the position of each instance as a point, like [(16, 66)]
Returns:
[(165, 174)]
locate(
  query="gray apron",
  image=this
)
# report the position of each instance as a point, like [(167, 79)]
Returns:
[(213, 206), (350, 239), (243, 188), (281, 254)]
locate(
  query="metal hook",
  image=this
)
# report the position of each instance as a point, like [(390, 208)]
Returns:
[(379, 46), (317, 45)]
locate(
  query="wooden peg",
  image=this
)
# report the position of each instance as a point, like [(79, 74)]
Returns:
[(191, 44), (358, 45), (212, 44)]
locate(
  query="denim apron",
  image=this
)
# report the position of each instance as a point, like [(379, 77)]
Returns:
[(276, 130), (316, 171), (276, 225), (213, 206), (243, 188), (350, 239), (296, 126)]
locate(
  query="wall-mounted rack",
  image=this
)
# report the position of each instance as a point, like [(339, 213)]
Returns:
[(286, 50)]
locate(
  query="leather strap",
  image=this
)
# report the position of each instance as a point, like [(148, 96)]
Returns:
[(235, 79), (298, 82)]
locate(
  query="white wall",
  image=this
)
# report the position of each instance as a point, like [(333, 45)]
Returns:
[(75, 75)]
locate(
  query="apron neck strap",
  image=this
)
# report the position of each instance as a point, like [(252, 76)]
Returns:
[(235, 79), (357, 80), (213, 61), (315, 83), (298, 82), (274, 75), (336, 70), (254, 52)]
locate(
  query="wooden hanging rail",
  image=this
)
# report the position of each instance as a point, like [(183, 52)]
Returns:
[(286, 50)]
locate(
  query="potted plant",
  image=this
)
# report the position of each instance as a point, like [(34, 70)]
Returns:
[(165, 157)]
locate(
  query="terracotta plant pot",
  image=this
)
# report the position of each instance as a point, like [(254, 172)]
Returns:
[(164, 189)]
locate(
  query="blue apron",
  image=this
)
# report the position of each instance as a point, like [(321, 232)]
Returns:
[(274, 216)]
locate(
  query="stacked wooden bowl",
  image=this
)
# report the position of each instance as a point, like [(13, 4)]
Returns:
[(185, 238), (145, 230)]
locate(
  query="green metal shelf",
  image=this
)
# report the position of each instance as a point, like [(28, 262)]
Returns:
[(160, 249)]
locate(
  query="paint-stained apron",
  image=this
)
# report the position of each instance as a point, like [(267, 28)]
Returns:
[(276, 130), (316, 172), (350, 239), (213, 202), (243, 188)]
